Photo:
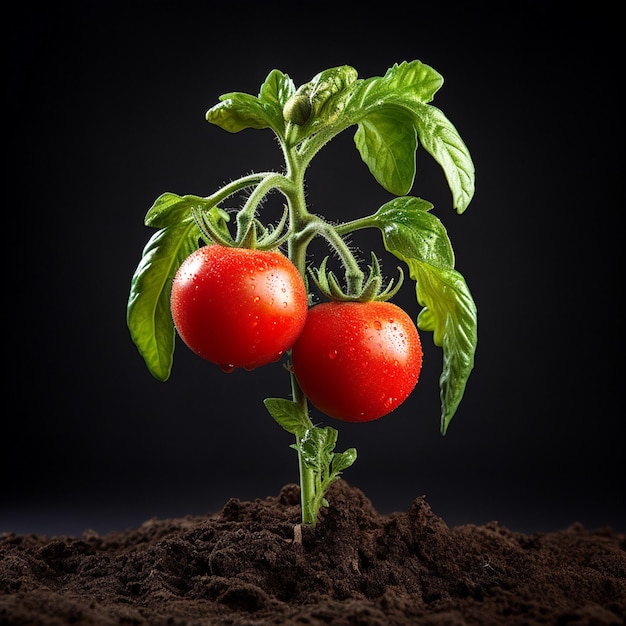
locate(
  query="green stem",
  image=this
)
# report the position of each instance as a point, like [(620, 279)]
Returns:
[(245, 217), (312, 145), (303, 227), (307, 476), (237, 185), (354, 275), (301, 235), (359, 224)]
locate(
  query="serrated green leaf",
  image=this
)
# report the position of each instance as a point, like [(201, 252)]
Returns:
[(315, 450), (170, 209), (387, 142), (412, 80), (450, 313), (410, 87), (328, 442), (441, 139), (316, 446), (403, 85), (411, 231), (148, 314), (342, 461), (289, 415), (412, 234), (329, 91), (276, 90), (237, 111)]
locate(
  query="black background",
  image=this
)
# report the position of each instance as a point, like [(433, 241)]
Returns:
[(106, 107)]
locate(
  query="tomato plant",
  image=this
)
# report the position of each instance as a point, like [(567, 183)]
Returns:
[(357, 361), (328, 360), (238, 307)]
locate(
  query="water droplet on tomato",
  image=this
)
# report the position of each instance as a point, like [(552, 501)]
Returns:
[(227, 369), (256, 299), (332, 354), (377, 325)]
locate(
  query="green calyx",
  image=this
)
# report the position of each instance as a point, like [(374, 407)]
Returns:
[(371, 288), (251, 234)]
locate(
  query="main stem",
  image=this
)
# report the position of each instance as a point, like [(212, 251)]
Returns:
[(303, 227), (307, 475), (300, 218)]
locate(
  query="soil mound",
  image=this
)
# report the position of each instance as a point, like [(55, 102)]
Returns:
[(252, 564)]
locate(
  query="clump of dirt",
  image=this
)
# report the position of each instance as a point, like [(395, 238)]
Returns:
[(253, 564)]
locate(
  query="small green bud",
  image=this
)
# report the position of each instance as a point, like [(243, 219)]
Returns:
[(297, 109)]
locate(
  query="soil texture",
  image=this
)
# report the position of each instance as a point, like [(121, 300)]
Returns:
[(252, 564)]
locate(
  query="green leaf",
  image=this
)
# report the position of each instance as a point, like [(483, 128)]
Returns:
[(320, 102), (237, 111), (387, 142), (316, 446), (342, 461), (412, 234), (289, 415), (275, 92), (412, 80), (170, 209), (315, 450), (450, 313), (410, 231), (329, 90), (441, 139), (148, 312), (374, 107)]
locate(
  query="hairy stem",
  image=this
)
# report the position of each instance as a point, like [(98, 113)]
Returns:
[(301, 235), (238, 185), (246, 216), (354, 275), (354, 225)]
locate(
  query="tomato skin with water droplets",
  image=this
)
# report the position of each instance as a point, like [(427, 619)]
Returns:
[(357, 361), (237, 307)]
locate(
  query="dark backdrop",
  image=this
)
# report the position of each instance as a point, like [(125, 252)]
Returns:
[(106, 105)]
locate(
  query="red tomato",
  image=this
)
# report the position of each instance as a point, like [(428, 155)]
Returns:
[(238, 307), (357, 361)]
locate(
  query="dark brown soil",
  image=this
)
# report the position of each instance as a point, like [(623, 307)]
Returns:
[(252, 564)]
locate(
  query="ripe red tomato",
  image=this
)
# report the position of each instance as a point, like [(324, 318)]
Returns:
[(238, 307), (357, 361)]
